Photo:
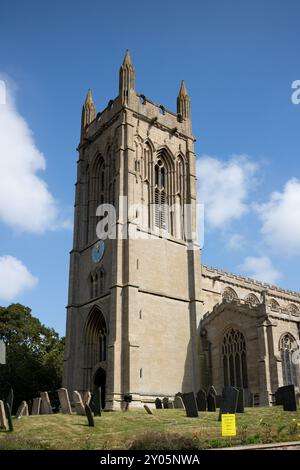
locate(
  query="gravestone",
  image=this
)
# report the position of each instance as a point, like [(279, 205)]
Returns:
[(80, 409), (190, 404), (26, 410), (211, 402), (249, 398), (201, 400), (2, 352), (3, 419), (240, 407), (127, 400), (96, 401), (10, 399), (158, 404), (279, 396), (218, 401), (289, 398), (178, 403), (46, 408), (22, 410), (87, 398), (212, 391), (165, 402), (148, 410), (36, 406), (229, 401), (170, 404), (64, 401), (89, 415), (8, 416)]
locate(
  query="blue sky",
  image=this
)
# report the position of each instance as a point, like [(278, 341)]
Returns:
[(238, 59)]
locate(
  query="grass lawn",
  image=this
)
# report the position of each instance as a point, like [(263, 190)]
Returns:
[(165, 429)]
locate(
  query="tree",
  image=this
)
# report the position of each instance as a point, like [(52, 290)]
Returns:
[(34, 355)]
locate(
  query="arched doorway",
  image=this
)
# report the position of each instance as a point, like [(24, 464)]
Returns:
[(96, 351), (100, 382)]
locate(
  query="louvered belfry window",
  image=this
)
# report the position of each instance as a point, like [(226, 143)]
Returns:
[(160, 199)]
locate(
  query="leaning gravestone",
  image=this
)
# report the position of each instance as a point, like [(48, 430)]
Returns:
[(96, 400), (211, 402), (10, 399), (80, 409), (201, 400), (21, 410), (148, 410), (178, 403), (3, 419), (89, 415), (46, 407), (289, 398), (36, 406), (158, 404), (8, 416), (190, 404), (87, 398), (64, 401), (240, 407)]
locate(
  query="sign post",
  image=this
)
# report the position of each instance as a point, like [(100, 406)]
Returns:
[(228, 425)]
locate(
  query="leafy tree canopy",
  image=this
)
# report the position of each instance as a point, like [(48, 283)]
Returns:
[(34, 355)]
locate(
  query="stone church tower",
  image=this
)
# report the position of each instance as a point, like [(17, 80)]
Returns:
[(134, 297)]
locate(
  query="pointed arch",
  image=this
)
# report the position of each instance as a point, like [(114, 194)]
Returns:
[(274, 305), (234, 358), (293, 309), (95, 338), (290, 370), (96, 191), (252, 300), (229, 294), (163, 188)]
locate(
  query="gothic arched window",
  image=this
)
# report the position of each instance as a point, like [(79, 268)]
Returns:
[(290, 370), (234, 359), (252, 300), (293, 309), (274, 305), (96, 194), (160, 197), (229, 294)]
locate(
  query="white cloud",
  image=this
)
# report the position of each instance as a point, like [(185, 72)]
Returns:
[(224, 186), (236, 241), (261, 269), (280, 218), (14, 278), (26, 203)]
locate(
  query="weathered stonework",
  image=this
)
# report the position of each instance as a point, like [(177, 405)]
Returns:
[(144, 320)]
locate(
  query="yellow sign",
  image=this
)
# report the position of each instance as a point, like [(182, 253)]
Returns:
[(228, 425)]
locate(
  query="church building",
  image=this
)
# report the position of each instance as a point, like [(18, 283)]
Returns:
[(144, 316)]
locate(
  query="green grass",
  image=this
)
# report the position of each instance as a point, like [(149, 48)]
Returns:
[(165, 429)]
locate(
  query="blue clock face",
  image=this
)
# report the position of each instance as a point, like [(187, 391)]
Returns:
[(98, 251)]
